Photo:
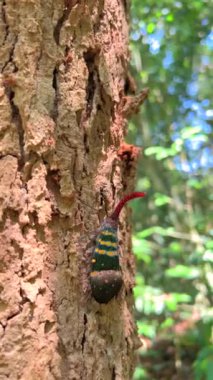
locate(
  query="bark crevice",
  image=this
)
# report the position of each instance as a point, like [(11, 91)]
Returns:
[(90, 60), (83, 340), (55, 87), (68, 4), (17, 120)]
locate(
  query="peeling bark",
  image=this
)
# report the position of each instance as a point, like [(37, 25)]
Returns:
[(63, 74)]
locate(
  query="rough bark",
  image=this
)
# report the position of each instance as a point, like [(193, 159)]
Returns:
[(62, 168)]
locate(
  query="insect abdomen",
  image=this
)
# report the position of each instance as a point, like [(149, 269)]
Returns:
[(105, 285), (105, 277)]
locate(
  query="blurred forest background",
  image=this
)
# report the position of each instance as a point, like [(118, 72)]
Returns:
[(171, 49)]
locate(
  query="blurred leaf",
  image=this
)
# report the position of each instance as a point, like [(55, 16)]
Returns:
[(181, 297), (150, 27), (193, 182), (182, 271), (189, 132), (174, 299), (146, 329), (170, 18), (139, 279), (175, 247), (204, 363), (155, 230), (209, 244), (169, 322), (210, 368), (142, 250), (139, 374), (143, 183), (160, 152), (161, 199), (171, 305)]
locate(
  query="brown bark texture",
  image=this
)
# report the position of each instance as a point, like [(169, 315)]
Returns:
[(63, 166)]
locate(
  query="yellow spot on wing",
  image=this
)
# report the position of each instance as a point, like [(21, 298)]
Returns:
[(93, 261), (113, 253), (107, 253), (93, 274), (100, 251), (107, 243), (107, 233)]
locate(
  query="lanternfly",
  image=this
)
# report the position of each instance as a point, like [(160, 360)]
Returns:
[(105, 276)]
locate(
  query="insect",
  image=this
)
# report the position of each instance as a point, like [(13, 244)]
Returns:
[(105, 276)]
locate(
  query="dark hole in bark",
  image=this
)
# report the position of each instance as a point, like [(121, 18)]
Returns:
[(84, 333), (113, 373), (48, 326), (61, 20), (18, 122), (90, 60)]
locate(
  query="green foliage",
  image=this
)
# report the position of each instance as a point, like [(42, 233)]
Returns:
[(182, 271), (139, 374), (171, 52), (204, 364)]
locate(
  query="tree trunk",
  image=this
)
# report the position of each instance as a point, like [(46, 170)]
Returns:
[(63, 75)]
